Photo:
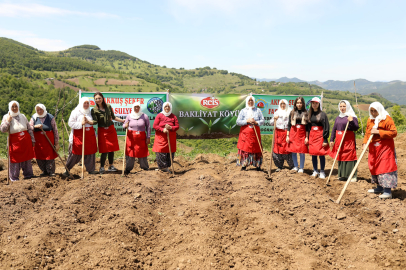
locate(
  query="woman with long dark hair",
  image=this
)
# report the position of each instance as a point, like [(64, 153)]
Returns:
[(103, 116), (319, 131), (297, 134)]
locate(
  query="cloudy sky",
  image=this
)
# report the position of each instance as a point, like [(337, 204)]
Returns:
[(309, 39)]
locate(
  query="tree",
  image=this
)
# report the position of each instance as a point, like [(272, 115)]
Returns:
[(398, 117)]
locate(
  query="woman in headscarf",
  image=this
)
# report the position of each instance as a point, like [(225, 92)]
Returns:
[(319, 131), (347, 158), (44, 153), (165, 122), (21, 141), (103, 115), (297, 134), (138, 138), (249, 150), (280, 152), (80, 117), (382, 155)]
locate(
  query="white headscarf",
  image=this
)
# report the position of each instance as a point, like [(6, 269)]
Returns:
[(10, 111), (349, 111), (163, 108), (80, 106), (135, 115), (381, 110), (250, 112), (283, 113), (42, 106)]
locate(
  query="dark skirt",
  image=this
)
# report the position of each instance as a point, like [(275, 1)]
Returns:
[(345, 168), (164, 159), (246, 159), (279, 159)]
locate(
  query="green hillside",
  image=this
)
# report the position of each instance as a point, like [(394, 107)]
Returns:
[(25, 73)]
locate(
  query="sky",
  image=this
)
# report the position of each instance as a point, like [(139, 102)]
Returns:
[(307, 39)]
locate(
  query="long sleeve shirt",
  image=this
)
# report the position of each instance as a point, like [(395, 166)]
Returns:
[(281, 123), (5, 125), (387, 130), (75, 122), (322, 123), (341, 123), (140, 124), (243, 117), (54, 128), (161, 120)]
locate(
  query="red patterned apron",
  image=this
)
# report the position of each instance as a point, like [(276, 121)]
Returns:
[(280, 146), (90, 141), (348, 151), (381, 157), (316, 142), (137, 144), (297, 136), (107, 139), (20, 148), (248, 141), (43, 149)]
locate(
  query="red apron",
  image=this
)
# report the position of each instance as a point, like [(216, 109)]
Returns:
[(107, 139), (316, 142), (348, 151), (381, 157), (90, 141), (280, 146), (136, 144), (43, 149), (297, 136), (248, 141), (161, 142), (20, 148)]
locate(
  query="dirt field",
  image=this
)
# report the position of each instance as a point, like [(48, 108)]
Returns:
[(210, 216), (100, 81), (362, 107), (59, 84), (75, 80), (118, 82)]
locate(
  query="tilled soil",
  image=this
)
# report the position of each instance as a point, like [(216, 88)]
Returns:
[(210, 216)]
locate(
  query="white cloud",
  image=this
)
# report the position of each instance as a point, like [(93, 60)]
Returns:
[(37, 10), (43, 44)]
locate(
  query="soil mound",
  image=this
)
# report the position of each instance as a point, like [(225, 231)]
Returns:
[(211, 215)]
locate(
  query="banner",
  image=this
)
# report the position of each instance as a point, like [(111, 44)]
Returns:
[(214, 116), (122, 105)]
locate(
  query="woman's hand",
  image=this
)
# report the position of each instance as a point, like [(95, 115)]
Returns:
[(276, 117), (57, 147), (84, 121), (331, 144), (148, 141), (38, 126), (165, 130), (306, 141), (350, 118), (325, 144), (126, 125), (363, 146), (168, 127), (287, 138), (375, 131), (9, 118)]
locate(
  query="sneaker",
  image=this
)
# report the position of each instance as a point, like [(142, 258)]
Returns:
[(378, 189), (27, 177), (66, 174), (386, 195), (243, 168), (322, 175), (315, 174), (126, 172), (259, 169), (52, 174), (94, 172), (300, 171), (43, 174), (354, 179), (112, 169), (102, 170), (342, 179), (278, 170), (295, 169)]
